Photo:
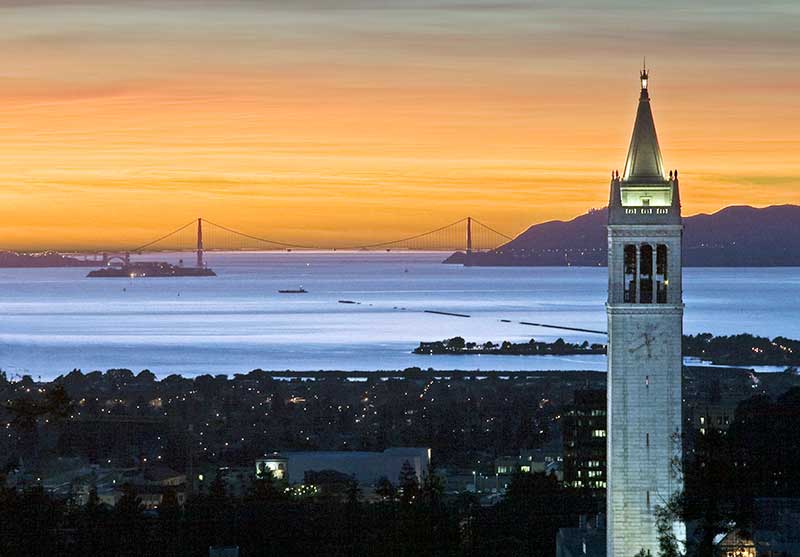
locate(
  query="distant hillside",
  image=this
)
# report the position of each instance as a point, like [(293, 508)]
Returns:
[(45, 259), (738, 236)]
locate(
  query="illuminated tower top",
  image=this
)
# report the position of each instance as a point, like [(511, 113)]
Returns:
[(644, 155), (644, 194)]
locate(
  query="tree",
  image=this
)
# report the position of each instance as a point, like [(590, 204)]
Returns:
[(129, 504), (408, 482), (128, 525), (27, 522), (456, 343), (534, 508), (169, 508), (265, 486), (92, 501), (667, 516), (466, 503), (146, 377), (27, 411), (353, 516), (432, 487), (93, 532), (169, 515), (385, 488), (353, 493), (119, 377), (218, 489)]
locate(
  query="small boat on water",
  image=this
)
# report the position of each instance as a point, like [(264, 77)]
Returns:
[(300, 290)]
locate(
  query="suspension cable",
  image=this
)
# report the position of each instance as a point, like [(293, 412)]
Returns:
[(303, 246), (164, 237), (492, 229), (256, 238), (410, 238)]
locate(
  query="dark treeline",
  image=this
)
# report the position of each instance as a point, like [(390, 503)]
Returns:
[(457, 345), (414, 520), (735, 350), (726, 471), (742, 350)]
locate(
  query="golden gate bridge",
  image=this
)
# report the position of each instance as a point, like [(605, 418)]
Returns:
[(201, 235)]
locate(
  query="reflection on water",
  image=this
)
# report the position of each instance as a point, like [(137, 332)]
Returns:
[(55, 319)]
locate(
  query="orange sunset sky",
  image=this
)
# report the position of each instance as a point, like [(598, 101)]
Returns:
[(336, 121)]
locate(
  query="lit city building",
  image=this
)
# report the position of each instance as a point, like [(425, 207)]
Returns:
[(584, 434), (275, 464)]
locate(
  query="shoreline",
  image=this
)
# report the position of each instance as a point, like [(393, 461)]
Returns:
[(15, 375), (740, 350), (412, 374)]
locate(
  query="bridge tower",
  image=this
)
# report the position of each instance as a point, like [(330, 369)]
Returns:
[(468, 257), (645, 324), (200, 242)]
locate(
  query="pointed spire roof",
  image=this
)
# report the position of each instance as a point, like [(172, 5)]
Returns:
[(644, 155)]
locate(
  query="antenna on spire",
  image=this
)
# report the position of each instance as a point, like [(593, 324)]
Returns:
[(643, 76)]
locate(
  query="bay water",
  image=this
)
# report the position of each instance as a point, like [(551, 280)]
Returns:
[(54, 320)]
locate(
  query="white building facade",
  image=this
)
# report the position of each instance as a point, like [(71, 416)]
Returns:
[(645, 325)]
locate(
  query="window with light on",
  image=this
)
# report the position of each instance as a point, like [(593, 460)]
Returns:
[(646, 196)]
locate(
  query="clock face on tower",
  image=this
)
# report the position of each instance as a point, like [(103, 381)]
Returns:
[(644, 341)]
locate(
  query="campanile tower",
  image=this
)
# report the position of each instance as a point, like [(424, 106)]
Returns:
[(645, 324)]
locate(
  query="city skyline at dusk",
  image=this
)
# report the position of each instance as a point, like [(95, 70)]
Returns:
[(376, 119), (399, 277)]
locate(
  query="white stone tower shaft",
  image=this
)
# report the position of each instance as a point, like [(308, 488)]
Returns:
[(645, 325)]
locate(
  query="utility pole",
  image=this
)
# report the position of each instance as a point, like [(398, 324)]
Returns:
[(199, 242)]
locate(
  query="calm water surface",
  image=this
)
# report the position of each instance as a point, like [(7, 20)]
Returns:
[(53, 320)]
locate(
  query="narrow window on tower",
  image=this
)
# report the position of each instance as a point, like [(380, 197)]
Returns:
[(662, 280), (630, 274), (646, 274), (647, 499), (647, 381), (647, 440)]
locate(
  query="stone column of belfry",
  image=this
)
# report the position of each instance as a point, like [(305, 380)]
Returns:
[(645, 325)]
